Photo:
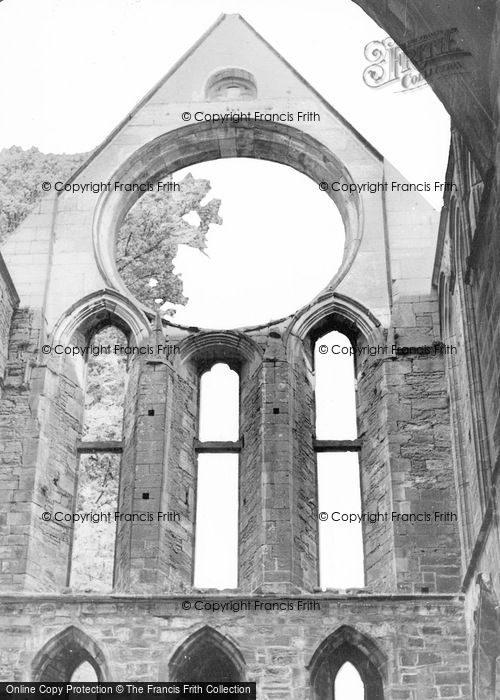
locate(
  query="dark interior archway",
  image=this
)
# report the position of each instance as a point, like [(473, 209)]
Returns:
[(347, 644), (207, 656), (64, 653)]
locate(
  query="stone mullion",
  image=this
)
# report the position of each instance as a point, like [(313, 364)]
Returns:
[(305, 476), (176, 536), (122, 567), (147, 489), (251, 514), (277, 478), (375, 472), (138, 565), (59, 412)]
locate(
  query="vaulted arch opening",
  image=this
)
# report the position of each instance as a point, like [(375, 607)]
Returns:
[(348, 662), (68, 653), (207, 656)]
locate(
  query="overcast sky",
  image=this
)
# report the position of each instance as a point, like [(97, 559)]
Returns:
[(72, 69)]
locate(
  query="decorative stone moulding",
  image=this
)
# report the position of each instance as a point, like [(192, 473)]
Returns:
[(207, 348), (97, 310), (349, 315), (231, 83), (197, 143)]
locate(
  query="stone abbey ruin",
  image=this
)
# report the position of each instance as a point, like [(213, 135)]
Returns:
[(427, 622)]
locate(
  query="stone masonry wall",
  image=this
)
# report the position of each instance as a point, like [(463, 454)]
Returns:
[(376, 493), (179, 484), (305, 482), (468, 263), (251, 486), (158, 474), (422, 638), (427, 553), (8, 303), (17, 428)]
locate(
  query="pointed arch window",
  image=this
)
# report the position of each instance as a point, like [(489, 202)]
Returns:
[(216, 528), (67, 656), (341, 557), (92, 556), (207, 656), (348, 665)]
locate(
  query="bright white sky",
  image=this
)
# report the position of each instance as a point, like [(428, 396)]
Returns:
[(280, 243), (72, 69)]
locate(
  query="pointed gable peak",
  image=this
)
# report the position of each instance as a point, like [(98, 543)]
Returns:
[(231, 68)]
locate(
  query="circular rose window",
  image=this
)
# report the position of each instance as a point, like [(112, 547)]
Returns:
[(230, 243)]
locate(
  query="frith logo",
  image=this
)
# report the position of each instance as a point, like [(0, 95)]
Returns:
[(436, 54)]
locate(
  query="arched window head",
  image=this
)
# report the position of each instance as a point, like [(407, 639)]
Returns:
[(65, 654), (231, 84), (219, 404), (335, 388), (348, 665), (207, 656)]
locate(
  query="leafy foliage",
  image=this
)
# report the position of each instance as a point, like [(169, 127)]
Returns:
[(151, 233), (105, 388), (98, 475), (21, 176)]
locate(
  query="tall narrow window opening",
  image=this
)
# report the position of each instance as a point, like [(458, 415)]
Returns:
[(341, 559), (216, 532), (93, 542)]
